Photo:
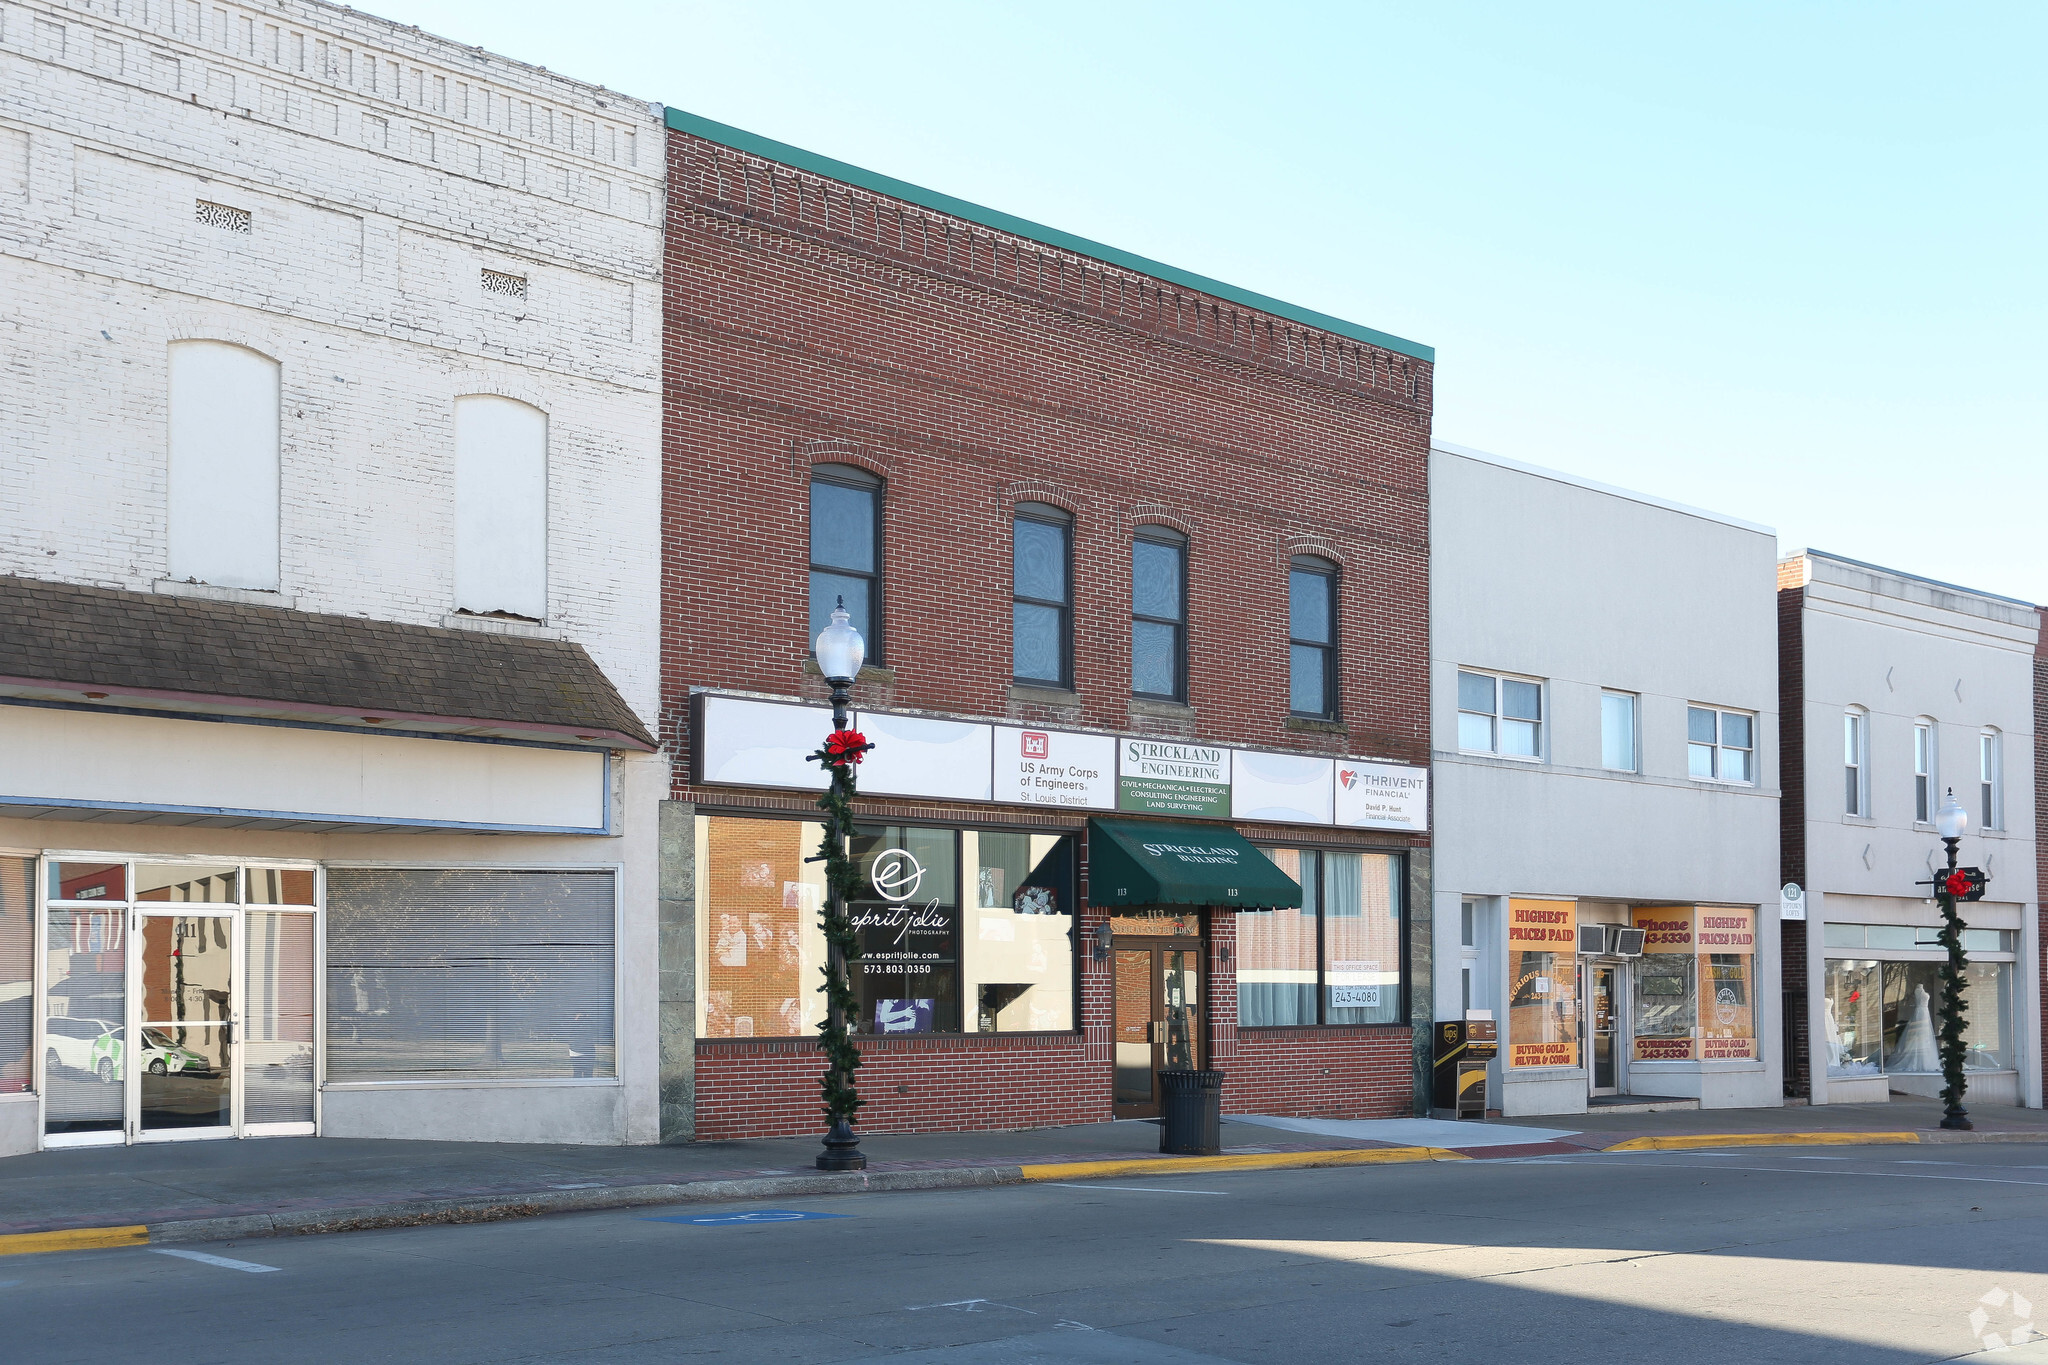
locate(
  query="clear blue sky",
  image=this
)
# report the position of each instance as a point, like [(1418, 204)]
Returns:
[(1781, 261)]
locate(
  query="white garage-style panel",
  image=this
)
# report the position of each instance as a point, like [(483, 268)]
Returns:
[(95, 761)]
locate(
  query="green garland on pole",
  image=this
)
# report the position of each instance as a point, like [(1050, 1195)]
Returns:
[(1953, 1007), (843, 750)]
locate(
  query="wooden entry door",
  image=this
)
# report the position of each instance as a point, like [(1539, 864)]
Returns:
[(1158, 1019)]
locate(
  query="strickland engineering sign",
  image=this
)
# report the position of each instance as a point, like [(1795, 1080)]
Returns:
[(1163, 778)]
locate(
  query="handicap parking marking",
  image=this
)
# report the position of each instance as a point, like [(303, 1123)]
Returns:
[(223, 1262), (751, 1218)]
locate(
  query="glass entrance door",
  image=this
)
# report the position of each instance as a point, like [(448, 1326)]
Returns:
[(1158, 1020), (1603, 1000), (179, 1052)]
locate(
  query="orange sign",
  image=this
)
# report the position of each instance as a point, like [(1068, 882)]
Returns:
[(1666, 928), (1543, 1054), (1663, 1049), (1725, 929), (1542, 924), (1727, 1049)]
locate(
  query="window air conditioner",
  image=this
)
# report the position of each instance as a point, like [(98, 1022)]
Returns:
[(1624, 942), (1593, 939)]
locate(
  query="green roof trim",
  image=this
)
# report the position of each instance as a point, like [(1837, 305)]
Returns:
[(740, 140)]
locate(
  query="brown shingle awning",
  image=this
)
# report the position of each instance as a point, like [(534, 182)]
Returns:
[(65, 642)]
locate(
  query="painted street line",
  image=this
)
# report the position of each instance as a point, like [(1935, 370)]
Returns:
[(73, 1239), (753, 1218), (1134, 1189), (1875, 1175), (222, 1261)]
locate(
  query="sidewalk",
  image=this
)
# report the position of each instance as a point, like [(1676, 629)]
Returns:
[(203, 1191)]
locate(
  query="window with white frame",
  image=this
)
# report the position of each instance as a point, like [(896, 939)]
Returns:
[(1991, 797), (1500, 714), (1855, 771), (1618, 731), (1923, 771), (1720, 745)]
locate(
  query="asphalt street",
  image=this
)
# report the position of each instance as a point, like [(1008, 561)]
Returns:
[(1853, 1254)]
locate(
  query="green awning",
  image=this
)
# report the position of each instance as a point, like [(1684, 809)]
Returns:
[(1138, 862)]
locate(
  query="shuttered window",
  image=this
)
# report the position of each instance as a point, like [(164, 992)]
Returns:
[(463, 974)]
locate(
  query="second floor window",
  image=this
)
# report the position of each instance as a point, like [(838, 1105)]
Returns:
[(501, 507), (1618, 731), (1720, 745), (1923, 771), (1990, 806), (1042, 595), (1855, 738), (846, 550), (1159, 559), (1500, 715), (223, 485), (1312, 637)]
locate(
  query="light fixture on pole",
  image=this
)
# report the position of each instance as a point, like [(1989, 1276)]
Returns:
[(1950, 885), (840, 651)]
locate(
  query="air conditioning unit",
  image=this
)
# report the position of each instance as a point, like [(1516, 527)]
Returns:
[(1593, 939), (1624, 942)]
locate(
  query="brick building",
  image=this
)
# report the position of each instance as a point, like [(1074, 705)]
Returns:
[(329, 566), (1127, 545)]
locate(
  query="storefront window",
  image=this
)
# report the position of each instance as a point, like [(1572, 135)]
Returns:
[(17, 972), (1912, 1017), (1346, 935), (1727, 983), (1853, 1005), (960, 930), (1543, 975)]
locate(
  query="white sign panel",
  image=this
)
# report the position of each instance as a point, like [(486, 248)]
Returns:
[(913, 756), (1292, 787), (1382, 796), (1791, 901), (763, 743), (1055, 768)]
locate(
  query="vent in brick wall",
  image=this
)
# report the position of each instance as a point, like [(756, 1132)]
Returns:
[(498, 282), (222, 217)]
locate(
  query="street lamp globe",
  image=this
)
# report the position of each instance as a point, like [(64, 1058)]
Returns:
[(840, 648), (1951, 820)]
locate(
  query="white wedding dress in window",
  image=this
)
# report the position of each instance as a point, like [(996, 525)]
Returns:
[(1916, 1050)]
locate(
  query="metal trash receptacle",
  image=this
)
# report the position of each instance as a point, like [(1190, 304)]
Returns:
[(1191, 1112)]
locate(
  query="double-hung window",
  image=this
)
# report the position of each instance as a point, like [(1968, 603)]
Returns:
[(1923, 772), (1618, 731), (1855, 745), (1159, 613), (1042, 595), (846, 550), (1312, 637), (1991, 802), (1720, 745), (1498, 714)]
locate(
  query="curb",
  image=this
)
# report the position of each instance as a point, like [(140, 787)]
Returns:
[(1689, 1141), (1247, 1161)]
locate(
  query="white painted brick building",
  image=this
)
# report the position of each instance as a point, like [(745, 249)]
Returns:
[(394, 222)]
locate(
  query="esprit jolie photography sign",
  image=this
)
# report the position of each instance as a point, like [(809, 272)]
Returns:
[(1160, 777)]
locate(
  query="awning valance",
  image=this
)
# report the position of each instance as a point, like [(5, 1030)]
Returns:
[(1139, 862)]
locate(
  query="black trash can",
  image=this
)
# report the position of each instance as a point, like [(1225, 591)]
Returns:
[(1191, 1112)]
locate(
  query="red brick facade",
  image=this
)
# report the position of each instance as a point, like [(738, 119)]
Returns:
[(807, 321)]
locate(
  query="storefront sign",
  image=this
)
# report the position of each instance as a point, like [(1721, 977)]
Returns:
[(1727, 1049), (1290, 787), (1663, 1049), (753, 742), (914, 756), (1160, 777), (1543, 1054), (1055, 768), (1381, 796), (1666, 929), (1791, 901), (1542, 924), (1726, 929)]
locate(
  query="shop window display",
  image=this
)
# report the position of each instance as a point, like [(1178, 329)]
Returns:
[(1695, 984), (17, 972), (960, 930), (1854, 1008), (1543, 975)]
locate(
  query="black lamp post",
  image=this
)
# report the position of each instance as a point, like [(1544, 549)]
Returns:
[(1950, 822), (839, 651)]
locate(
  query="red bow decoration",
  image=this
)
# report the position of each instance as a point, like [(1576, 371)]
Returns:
[(845, 746), (1958, 883)]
